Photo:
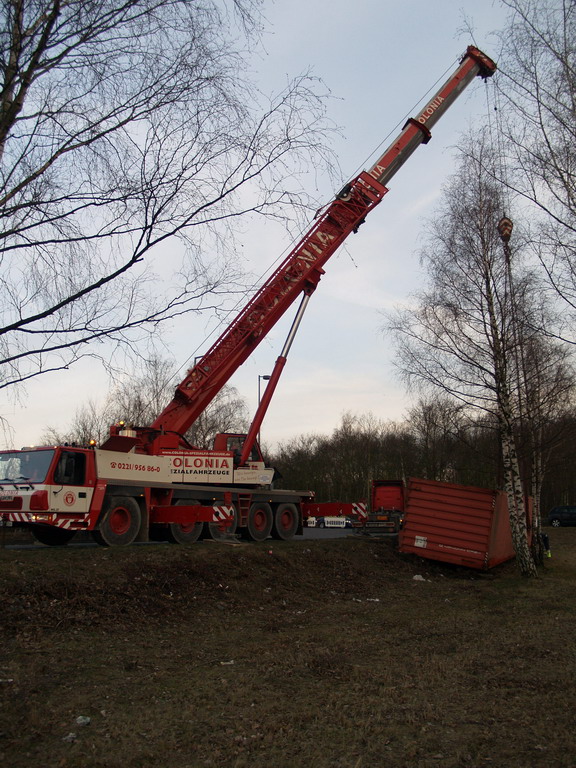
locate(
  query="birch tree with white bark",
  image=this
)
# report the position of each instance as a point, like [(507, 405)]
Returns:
[(467, 330), (536, 119)]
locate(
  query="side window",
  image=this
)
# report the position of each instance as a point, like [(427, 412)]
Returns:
[(71, 469), (235, 443)]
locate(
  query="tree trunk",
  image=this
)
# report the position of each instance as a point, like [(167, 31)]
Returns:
[(516, 506), (537, 472)]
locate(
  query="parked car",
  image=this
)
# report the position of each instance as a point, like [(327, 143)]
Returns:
[(562, 516)]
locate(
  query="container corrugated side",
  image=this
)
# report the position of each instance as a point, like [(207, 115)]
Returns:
[(464, 525)]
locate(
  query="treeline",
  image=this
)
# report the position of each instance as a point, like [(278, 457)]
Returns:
[(435, 441)]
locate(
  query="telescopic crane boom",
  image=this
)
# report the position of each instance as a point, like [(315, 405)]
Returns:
[(303, 267)]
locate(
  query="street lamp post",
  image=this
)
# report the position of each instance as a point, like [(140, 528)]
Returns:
[(261, 378)]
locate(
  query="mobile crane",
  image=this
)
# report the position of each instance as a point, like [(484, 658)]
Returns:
[(148, 482)]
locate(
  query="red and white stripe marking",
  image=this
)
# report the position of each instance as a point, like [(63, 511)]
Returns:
[(360, 509), (58, 522), (222, 514)]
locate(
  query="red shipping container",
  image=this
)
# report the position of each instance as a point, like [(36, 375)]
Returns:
[(456, 524)]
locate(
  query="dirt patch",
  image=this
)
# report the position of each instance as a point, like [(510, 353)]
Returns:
[(316, 653)]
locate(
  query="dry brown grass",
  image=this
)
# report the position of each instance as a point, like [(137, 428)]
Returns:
[(325, 654)]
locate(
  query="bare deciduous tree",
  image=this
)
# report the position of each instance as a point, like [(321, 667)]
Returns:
[(227, 412), (537, 121), (341, 466), (469, 329), (130, 135), (136, 400), (91, 422), (436, 422)]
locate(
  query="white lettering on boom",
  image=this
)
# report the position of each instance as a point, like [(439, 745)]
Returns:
[(430, 109)]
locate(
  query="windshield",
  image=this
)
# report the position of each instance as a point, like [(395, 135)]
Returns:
[(23, 466)]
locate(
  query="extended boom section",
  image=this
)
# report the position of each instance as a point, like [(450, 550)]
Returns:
[(302, 269), (417, 130)]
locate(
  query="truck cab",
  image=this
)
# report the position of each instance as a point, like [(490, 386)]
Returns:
[(40, 486)]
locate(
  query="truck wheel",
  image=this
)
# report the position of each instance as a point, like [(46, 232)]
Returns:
[(120, 522), (215, 533), (52, 536), (179, 533), (259, 522), (286, 521)]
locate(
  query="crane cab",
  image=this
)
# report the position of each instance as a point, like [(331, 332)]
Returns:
[(234, 442)]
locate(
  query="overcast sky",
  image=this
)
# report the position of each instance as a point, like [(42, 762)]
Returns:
[(378, 59)]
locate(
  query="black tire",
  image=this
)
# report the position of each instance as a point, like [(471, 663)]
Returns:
[(214, 532), (260, 520), (120, 522), (321, 524), (555, 523), (177, 533), (52, 536), (286, 520)]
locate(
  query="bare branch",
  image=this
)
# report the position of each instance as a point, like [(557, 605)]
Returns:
[(128, 133)]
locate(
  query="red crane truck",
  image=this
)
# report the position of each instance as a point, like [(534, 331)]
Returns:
[(149, 482)]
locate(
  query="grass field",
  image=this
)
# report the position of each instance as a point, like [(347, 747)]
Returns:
[(323, 654)]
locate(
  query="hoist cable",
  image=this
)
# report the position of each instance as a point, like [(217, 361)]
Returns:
[(496, 133)]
